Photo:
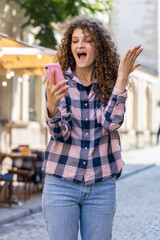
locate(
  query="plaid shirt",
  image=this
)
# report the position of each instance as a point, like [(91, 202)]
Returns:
[(84, 139)]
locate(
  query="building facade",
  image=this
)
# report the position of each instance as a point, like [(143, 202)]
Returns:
[(135, 22), (22, 103)]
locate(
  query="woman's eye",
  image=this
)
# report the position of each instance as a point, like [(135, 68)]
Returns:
[(74, 41), (88, 40)]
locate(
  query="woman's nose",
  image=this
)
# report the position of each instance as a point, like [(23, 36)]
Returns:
[(80, 44)]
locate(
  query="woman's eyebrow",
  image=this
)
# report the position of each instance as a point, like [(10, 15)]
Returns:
[(85, 36)]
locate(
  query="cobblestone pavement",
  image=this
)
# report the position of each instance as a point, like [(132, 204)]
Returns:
[(28, 228), (138, 208), (137, 216)]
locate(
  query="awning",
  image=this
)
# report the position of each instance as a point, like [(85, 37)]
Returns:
[(22, 57)]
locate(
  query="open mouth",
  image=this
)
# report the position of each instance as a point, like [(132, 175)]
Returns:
[(81, 55)]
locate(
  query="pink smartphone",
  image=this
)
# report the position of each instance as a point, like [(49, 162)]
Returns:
[(58, 74)]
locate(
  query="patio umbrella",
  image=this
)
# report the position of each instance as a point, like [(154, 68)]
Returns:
[(22, 57)]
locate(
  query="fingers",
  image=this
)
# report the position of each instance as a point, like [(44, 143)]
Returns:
[(60, 84), (61, 90), (47, 82), (127, 54), (133, 53), (136, 51), (131, 56), (57, 90), (137, 54), (55, 93), (50, 83), (61, 96), (135, 66)]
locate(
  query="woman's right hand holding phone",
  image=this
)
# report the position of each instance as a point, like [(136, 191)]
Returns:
[(54, 94)]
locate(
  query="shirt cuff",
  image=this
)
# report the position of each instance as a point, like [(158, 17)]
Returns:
[(54, 119), (117, 91)]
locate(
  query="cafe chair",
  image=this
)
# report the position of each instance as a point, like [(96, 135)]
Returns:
[(24, 169), (6, 182)]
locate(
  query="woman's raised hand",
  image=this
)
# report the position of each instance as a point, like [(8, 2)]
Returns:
[(127, 65), (54, 94)]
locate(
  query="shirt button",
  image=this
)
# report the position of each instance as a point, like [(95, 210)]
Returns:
[(84, 162), (86, 119), (86, 133), (86, 104), (85, 148)]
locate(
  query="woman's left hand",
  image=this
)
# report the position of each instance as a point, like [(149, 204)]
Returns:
[(127, 65)]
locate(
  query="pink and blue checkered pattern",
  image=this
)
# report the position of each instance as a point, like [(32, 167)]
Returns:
[(84, 141)]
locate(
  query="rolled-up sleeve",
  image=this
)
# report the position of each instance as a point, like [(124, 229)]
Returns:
[(59, 126), (111, 116)]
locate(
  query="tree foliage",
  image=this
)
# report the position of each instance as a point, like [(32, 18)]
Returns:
[(43, 12)]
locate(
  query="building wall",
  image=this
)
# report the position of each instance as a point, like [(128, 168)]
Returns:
[(142, 117), (17, 126), (132, 22), (11, 19), (136, 22)]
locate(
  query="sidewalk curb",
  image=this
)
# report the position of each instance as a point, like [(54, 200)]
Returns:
[(23, 213)]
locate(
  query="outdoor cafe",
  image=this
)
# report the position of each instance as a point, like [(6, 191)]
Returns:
[(23, 174)]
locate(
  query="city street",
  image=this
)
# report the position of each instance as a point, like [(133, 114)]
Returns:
[(108, 54), (138, 205)]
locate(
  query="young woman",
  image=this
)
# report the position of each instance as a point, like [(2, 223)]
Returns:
[(83, 157)]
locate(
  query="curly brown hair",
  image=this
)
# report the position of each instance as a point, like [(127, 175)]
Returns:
[(106, 60)]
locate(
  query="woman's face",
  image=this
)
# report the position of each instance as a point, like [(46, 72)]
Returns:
[(83, 48)]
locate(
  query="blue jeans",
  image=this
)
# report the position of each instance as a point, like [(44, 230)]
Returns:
[(65, 203)]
